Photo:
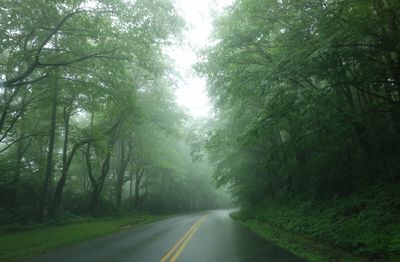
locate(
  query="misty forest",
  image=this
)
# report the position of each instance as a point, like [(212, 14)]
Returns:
[(303, 138)]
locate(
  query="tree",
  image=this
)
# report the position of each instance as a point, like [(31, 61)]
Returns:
[(297, 102), (82, 55)]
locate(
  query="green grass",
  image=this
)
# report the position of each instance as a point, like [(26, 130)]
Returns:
[(19, 245), (309, 249)]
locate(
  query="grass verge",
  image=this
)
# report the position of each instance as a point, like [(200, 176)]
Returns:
[(306, 248), (19, 245)]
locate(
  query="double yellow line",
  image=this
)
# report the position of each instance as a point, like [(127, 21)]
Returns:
[(173, 254)]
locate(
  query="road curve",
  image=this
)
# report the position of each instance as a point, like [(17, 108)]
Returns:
[(199, 237)]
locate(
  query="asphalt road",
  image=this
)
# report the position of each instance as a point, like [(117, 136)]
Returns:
[(204, 236)]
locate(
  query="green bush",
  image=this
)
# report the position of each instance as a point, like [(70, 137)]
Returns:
[(364, 223)]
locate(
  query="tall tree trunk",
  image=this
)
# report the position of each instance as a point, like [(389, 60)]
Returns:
[(139, 176), (121, 171), (61, 183), (97, 184), (131, 178), (20, 150), (49, 163), (125, 159), (95, 199), (18, 163)]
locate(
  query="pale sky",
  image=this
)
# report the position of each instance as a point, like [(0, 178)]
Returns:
[(191, 92)]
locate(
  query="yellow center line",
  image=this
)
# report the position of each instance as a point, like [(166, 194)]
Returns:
[(179, 242), (180, 245)]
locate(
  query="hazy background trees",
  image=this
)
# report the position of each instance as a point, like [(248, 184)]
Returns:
[(88, 120)]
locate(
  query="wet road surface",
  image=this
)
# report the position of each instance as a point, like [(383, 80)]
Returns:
[(205, 236)]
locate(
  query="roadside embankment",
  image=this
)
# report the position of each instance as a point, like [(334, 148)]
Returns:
[(361, 227)]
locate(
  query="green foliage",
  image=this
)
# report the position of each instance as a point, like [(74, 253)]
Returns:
[(289, 91), (310, 249), (364, 223), (88, 119), (307, 102)]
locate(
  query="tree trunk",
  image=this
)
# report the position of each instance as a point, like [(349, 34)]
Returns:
[(95, 200), (98, 183), (19, 154), (131, 178), (139, 176), (49, 163), (61, 183), (125, 158), (120, 174)]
